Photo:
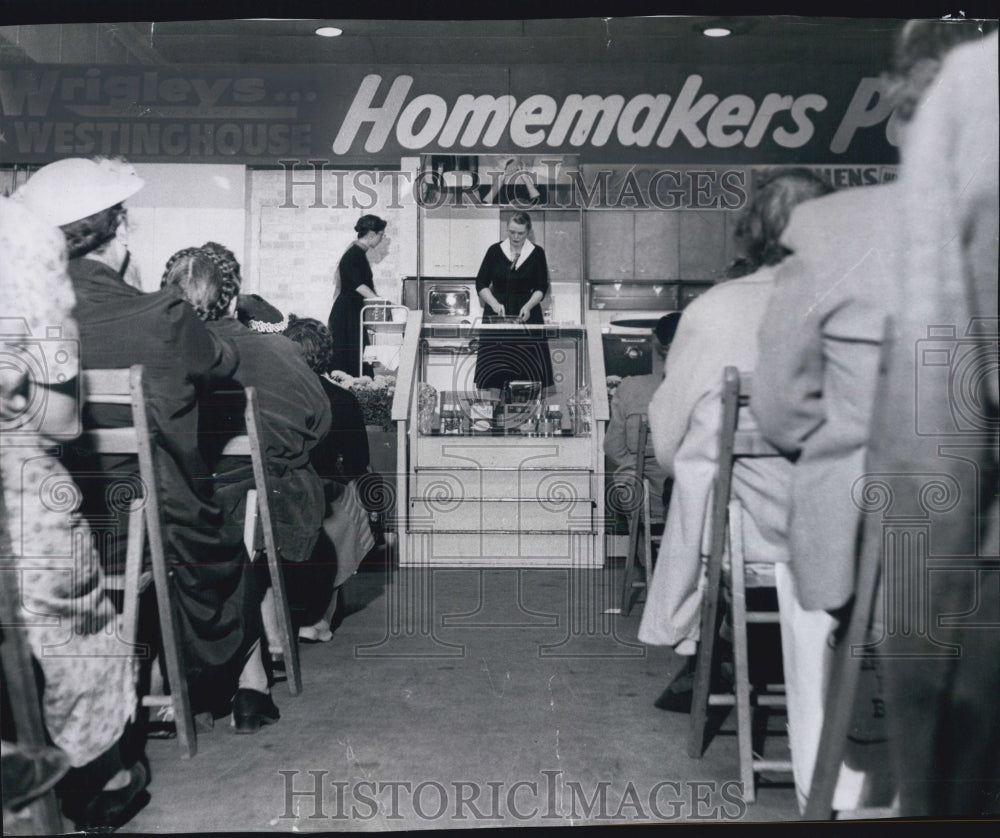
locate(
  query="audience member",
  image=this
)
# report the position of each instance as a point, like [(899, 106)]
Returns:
[(294, 416), (88, 693), (341, 459), (217, 602), (943, 713), (820, 342), (717, 330), (343, 454), (629, 407)]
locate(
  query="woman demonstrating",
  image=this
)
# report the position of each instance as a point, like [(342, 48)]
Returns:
[(512, 281), (355, 284)]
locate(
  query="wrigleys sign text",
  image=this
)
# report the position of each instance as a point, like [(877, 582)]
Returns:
[(353, 116)]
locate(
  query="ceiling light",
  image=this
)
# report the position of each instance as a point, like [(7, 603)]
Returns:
[(329, 31), (716, 32)]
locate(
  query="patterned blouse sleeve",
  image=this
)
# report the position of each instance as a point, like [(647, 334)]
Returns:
[(38, 297)]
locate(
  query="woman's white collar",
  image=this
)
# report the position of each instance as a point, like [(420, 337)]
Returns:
[(526, 249)]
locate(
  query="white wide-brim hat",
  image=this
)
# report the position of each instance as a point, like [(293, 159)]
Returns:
[(76, 187)]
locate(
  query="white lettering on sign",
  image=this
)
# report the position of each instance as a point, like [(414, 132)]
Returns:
[(478, 111), (654, 107), (437, 111), (538, 110), (585, 110), (699, 117), (869, 107), (382, 118)]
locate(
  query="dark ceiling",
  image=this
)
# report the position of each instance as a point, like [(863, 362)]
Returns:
[(627, 40), (591, 40)]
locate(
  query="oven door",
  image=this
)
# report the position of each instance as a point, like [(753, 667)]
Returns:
[(448, 302)]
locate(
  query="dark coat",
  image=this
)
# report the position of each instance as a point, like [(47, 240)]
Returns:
[(523, 357), (295, 416), (218, 603), (343, 453), (345, 316)]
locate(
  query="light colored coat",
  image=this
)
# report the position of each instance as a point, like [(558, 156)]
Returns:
[(939, 428), (717, 330), (819, 348)]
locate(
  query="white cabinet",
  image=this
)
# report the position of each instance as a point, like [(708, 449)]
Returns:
[(454, 239)]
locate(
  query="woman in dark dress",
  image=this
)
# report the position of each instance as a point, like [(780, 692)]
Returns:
[(512, 281), (355, 285)]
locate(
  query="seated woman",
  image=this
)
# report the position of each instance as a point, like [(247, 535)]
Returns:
[(294, 411), (341, 459), (718, 329), (628, 408), (89, 697), (217, 603)]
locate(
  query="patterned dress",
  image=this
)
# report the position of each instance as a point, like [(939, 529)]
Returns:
[(70, 625)]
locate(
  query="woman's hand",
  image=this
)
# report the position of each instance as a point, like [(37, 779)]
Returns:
[(523, 314), (487, 298)]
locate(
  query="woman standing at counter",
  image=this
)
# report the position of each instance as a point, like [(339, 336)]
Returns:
[(355, 285), (512, 282)]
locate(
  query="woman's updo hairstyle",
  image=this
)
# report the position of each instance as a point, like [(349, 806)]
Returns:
[(521, 218), (204, 278), (315, 340), (93, 232), (369, 224), (226, 260)]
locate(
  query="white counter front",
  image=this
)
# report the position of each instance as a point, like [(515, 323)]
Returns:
[(501, 498)]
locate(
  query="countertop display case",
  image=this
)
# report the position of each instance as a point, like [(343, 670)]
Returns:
[(509, 477)]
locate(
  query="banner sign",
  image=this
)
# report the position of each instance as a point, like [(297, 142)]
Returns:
[(356, 116)]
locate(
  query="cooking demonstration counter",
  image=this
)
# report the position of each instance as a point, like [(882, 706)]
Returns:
[(500, 478)]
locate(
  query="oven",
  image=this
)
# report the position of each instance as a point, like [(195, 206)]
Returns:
[(447, 299), (628, 313)]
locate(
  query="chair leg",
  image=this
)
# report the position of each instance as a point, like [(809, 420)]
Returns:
[(283, 613), (187, 737), (703, 662), (633, 543), (741, 666), (647, 536), (133, 573)]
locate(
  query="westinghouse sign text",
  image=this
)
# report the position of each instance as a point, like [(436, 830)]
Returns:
[(259, 114)]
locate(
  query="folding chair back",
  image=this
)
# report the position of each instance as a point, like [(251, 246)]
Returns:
[(258, 509), (726, 529), (846, 668), (125, 386)]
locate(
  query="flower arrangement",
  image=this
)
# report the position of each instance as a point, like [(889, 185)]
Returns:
[(374, 394)]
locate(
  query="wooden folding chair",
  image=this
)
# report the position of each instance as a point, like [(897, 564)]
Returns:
[(25, 705), (125, 387), (258, 510), (726, 528), (639, 526), (846, 667)]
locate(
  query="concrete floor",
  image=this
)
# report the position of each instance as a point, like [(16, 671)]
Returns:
[(463, 698)]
